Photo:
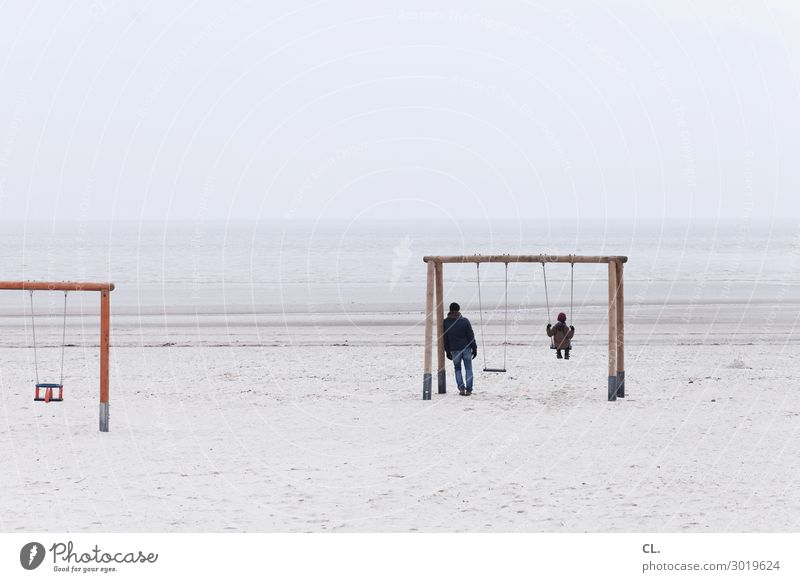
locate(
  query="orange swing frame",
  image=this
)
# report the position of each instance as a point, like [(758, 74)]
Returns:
[(105, 290)]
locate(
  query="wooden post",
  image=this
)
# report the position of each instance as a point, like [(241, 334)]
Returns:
[(426, 376), (612, 331), (440, 359), (620, 331), (105, 340)]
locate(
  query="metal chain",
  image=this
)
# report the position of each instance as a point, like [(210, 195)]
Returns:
[(505, 323), (63, 339), (547, 302), (546, 297), (571, 289), (480, 311)]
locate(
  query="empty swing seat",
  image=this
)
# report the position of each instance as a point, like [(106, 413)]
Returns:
[(49, 393)]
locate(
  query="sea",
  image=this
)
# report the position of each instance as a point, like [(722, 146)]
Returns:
[(339, 266)]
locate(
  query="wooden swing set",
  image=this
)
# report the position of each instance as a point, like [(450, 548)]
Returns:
[(435, 288), (54, 392)]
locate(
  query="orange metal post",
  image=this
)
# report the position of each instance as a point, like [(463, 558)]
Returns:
[(105, 341)]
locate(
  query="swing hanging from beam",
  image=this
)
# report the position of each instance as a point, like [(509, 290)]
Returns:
[(105, 290), (486, 368), (547, 299), (49, 388)]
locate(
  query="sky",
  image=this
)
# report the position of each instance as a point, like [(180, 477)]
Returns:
[(367, 110)]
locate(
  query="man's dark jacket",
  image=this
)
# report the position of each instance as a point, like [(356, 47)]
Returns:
[(458, 334)]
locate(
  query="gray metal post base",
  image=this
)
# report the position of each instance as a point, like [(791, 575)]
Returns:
[(612, 388), (426, 386), (442, 383), (104, 417), (621, 384)]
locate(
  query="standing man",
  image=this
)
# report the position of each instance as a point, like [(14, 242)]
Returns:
[(460, 346)]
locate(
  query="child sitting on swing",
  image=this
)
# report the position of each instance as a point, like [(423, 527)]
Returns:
[(561, 335)]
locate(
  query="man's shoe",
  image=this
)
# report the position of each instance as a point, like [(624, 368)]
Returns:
[(559, 356), (462, 391), (469, 392)]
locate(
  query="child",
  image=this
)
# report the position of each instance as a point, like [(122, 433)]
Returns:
[(561, 335)]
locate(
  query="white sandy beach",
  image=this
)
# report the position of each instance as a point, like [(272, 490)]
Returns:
[(316, 423), (261, 182)]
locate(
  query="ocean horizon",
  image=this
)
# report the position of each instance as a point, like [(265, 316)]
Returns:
[(330, 266)]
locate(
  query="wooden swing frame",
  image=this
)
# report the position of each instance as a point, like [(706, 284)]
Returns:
[(616, 312), (105, 290)]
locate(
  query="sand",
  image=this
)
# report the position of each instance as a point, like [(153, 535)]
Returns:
[(316, 423)]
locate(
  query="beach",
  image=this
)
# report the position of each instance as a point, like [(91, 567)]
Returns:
[(312, 428), (245, 249)]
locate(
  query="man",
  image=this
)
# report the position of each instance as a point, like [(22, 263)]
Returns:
[(460, 346), (561, 335)]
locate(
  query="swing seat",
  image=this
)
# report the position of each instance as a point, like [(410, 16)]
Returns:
[(49, 394), (502, 370), (52, 392)]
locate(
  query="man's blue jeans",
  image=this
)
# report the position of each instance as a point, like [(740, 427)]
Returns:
[(464, 355)]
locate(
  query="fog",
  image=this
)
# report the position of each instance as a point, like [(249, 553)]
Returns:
[(365, 110)]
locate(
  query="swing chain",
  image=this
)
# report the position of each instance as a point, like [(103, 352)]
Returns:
[(547, 304), (480, 311), (63, 339), (505, 322), (546, 297), (571, 287), (33, 331)]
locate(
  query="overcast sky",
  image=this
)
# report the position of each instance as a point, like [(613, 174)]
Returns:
[(296, 109)]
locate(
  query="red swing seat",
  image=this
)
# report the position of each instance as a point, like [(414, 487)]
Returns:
[(49, 395)]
